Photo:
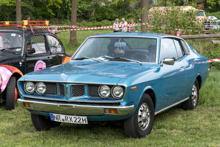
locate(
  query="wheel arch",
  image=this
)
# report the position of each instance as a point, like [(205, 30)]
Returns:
[(7, 72), (199, 79), (149, 90)]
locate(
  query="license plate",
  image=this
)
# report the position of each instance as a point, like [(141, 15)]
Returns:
[(68, 118)]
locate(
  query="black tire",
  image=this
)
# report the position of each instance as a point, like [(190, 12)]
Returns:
[(43, 123), (10, 94), (131, 125), (193, 100)]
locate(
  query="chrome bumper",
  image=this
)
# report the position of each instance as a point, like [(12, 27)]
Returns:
[(75, 109)]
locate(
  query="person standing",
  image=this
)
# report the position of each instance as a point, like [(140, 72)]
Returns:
[(123, 22), (116, 23)]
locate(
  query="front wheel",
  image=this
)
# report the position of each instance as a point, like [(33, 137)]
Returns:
[(141, 122), (42, 123), (192, 102), (11, 94)]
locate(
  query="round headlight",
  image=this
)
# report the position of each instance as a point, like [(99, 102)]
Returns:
[(40, 88), (29, 87), (104, 91), (117, 92)]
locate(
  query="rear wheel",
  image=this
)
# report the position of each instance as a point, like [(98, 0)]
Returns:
[(10, 94), (192, 102), (141, 122), (42, 123)]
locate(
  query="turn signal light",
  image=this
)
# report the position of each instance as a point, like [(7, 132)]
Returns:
[(112, 111), (27, 105)]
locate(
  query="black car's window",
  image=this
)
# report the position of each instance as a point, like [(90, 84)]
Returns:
[(179, 49), (168, 49), (55, 46), (141, 49), (36, 45)]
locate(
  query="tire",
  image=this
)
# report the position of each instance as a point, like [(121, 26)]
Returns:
[(10, 94), (193, 100), (43, 123), (132, 126)]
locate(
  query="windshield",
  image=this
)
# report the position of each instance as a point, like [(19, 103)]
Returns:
[(11, 42), (117, 48), (200, 13)]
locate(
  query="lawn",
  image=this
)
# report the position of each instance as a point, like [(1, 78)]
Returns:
[(175, 127)]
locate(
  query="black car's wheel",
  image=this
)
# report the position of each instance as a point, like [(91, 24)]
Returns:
[(141, 122), (192, 102), (42, 122), (10, 94)]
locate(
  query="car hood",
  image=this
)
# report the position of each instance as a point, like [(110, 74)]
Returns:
[(5, 56), (89, 72)]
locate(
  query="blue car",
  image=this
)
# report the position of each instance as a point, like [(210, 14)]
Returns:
[(129, 77)]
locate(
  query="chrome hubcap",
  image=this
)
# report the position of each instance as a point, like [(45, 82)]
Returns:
[(194, 95), (143, 116)]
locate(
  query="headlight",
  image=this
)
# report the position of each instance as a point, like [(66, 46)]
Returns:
[(104, 91), (40, 88), (117, 92), (29, 87)]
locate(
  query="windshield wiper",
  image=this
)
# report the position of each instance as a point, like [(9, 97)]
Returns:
[(122, 59), (8, 50), (81, 58)]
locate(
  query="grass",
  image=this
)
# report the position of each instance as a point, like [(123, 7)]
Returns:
[(174, 127)]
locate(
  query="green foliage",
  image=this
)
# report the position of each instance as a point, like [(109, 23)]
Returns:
[(174, 18)]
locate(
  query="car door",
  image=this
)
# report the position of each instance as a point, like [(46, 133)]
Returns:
[(37, 53), (173, 77), (56, 49)]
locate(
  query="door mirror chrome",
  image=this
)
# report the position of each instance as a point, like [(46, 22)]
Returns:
[(169, 61)]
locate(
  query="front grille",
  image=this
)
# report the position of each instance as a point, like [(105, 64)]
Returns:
[(51, 89), (77, 90), (61, 90)]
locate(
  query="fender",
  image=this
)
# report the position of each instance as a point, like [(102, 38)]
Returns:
[(142, 93), (6, 71)]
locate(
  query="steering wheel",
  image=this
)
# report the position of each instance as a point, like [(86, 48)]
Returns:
[(140, 57)]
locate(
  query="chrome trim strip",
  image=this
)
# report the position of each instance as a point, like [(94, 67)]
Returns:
[(70, 82), (170, 106), (75, 109)]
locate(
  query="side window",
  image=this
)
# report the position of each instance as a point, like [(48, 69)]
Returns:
[(168, 49), (36, 45), (55, 46), (179, 49)]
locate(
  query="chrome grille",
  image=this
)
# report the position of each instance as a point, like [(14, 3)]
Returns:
[(77, 90)]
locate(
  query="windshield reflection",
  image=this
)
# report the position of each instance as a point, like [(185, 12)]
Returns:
[(125, 49)]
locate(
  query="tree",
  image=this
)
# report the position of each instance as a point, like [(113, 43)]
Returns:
[(73, 22), (18, 10), (144, 17)]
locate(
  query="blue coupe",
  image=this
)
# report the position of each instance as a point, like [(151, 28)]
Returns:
[(119, 76)]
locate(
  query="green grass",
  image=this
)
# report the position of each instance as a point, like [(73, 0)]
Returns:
[(175, 127)]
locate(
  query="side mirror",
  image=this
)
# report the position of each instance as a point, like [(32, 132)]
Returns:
[(169, 61), (31, 51)]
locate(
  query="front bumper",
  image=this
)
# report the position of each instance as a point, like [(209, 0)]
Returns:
[(75, 109)]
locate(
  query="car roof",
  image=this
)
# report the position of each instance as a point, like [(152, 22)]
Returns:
[(19, 30), (138, 34)]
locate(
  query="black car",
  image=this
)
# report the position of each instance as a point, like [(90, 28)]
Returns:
[(23, 50)]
